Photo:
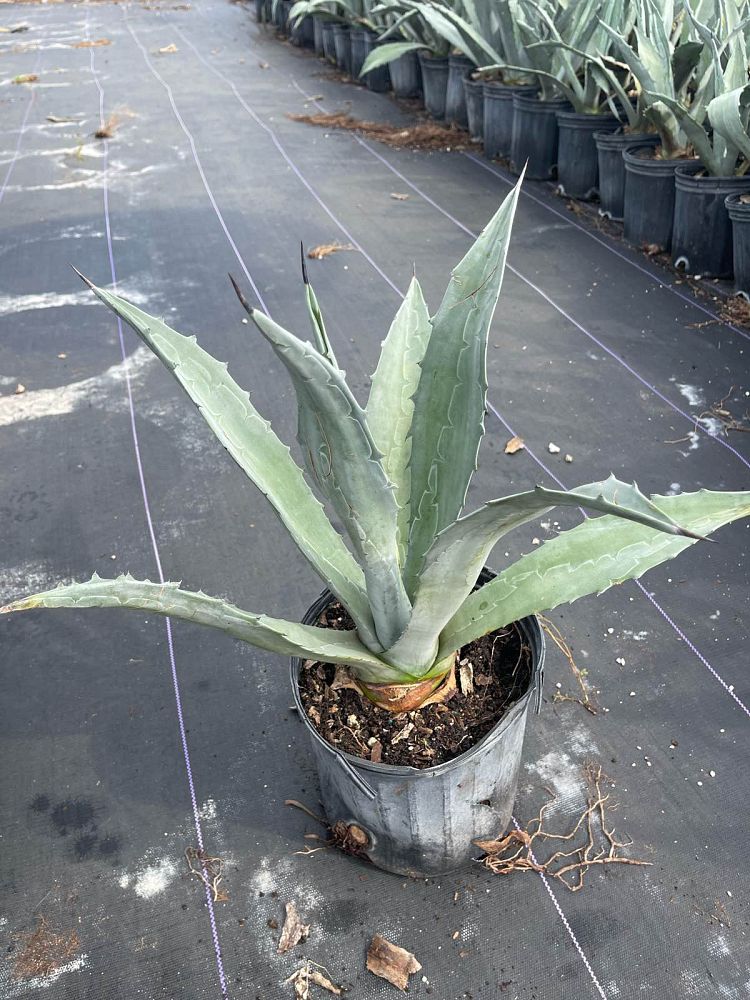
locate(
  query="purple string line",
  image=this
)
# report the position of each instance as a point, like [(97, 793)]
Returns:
[(152, 536), (547, 886), (22, 130), (558, 308), (689, 299)]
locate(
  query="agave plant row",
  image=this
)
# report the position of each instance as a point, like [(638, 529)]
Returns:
[(537, 80), (395, 470)]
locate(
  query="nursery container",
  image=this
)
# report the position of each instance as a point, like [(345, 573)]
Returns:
[(739, 214), (329, 45), (534, 139), (422, 822), (357, 41), (406, 77), (577, 163), (459, 68), (497, 117), (648, 211), (301, 32), (702, 233), (279, 15), (609, 147), (343, 47), (377, 80), (434, 83), (318, 36), (260, 6), (474, 97)]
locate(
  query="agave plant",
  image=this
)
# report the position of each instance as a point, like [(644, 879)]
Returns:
[(563, 43), (396, 473), (691, 69)]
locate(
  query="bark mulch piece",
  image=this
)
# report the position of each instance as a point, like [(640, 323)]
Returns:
[(498, 664)]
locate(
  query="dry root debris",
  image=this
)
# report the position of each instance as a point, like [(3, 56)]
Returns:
[(210, 871), (425, 135), (593, 842), (585, 700), (307, 975), (43, 951)]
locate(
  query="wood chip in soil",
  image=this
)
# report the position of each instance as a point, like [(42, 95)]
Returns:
[(390, 962), (424, 135), (498, 664)]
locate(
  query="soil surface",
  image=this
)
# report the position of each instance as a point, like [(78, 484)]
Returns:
[(500, 667)]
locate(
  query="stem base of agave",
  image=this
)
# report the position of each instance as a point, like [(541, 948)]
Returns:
[(398, 698)]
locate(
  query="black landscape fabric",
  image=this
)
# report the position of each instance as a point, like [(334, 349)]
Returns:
[(591, 351)]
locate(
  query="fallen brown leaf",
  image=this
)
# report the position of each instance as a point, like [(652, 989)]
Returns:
[(390, 962), (326, 249), (95, 43), (26, 78), (515, 444), (652, 249), (293, 930)]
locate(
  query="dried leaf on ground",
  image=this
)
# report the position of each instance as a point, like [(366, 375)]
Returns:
[(593, 842), (93, 44), (514, 444), (108, 129), (42, 951), (399, 197), (293, 930), (425, 135), (307, 974), (26, 78), (326, 249), (168, 49), (390, 962)]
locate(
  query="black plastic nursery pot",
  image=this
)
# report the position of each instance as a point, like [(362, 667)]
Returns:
[(577, 162), (609, 148), (318, 36), (702, 232), (421, 822), (534, 141), (406, 77), (259, 10), (739, 215), (648, 210), (343, 47), (434, 83), (459, 68), (378, 80), (301, 33), (474, 97), (497, 116), (357, 55), (329, 45)]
